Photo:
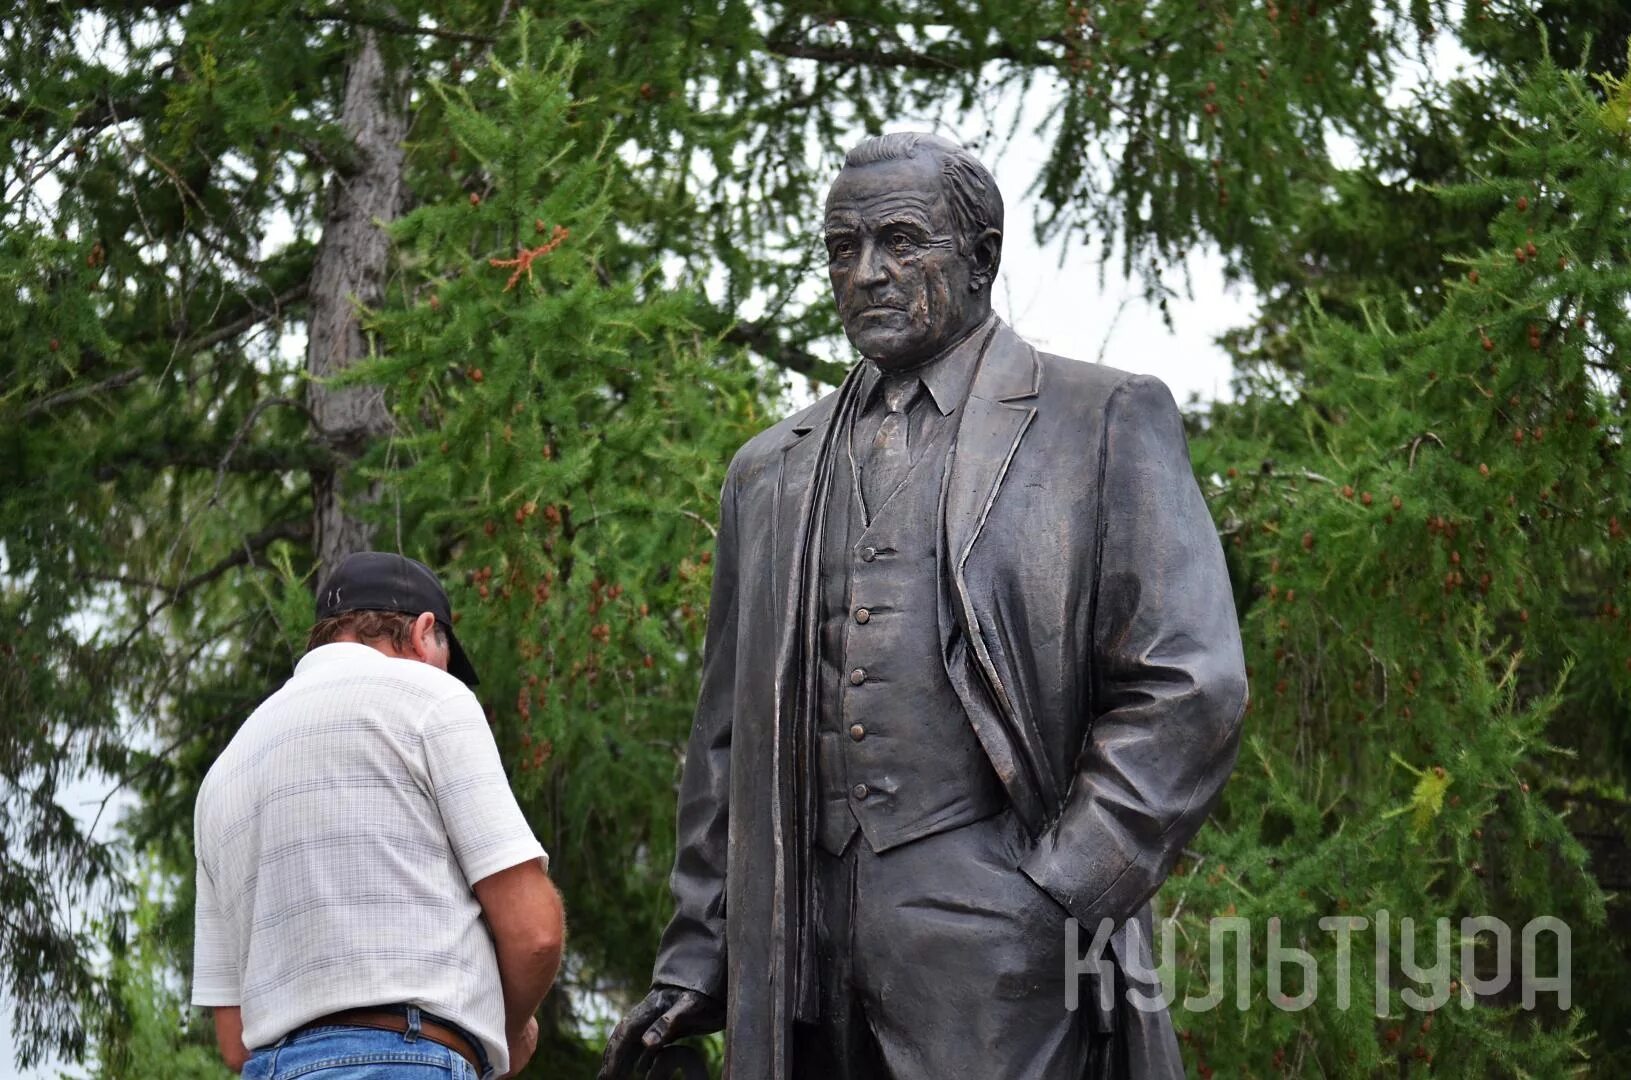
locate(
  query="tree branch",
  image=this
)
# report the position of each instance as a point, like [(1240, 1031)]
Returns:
[(180, 454), (393, 26), (91, 117), (853, 56), (253, 317), (244, 554), (763, 340), (207, 340), (905, 59), (243, 433), (76, 393)]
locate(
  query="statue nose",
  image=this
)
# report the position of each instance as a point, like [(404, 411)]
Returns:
[(869, 269)]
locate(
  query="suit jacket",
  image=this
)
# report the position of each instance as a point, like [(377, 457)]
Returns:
[(1088, 628)]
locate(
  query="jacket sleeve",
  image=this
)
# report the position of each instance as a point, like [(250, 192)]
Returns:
[(692, 952), (1168, 676)]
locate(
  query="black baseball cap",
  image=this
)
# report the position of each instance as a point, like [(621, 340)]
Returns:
[(381, 581)]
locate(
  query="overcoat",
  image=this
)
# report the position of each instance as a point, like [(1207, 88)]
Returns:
[(1087, 625)]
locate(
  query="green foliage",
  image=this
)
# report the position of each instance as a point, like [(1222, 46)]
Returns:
[(562, 442), (1426, 528), (155, 509), (150, 1030)]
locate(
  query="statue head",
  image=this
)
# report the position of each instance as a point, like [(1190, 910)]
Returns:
[(914, 236)]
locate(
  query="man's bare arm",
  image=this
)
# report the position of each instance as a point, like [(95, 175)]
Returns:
[(229, 1036), (524, 912)]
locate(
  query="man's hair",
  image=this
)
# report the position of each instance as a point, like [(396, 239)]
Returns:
[(369, 627), (976, 204)]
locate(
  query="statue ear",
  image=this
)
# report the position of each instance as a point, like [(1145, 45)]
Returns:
[(985, 257)]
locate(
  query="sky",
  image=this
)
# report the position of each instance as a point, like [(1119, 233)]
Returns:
[(1060, 306)]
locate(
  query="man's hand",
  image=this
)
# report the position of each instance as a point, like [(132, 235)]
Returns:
[(523, 1044), (667, 1013), (229, 1035), (523, 911)]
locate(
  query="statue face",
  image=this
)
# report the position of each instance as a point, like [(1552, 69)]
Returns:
[(903, 289)]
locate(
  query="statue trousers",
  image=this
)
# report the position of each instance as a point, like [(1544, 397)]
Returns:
[(939, 960)]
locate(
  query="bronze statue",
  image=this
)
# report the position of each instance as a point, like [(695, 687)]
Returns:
[(972, 669)]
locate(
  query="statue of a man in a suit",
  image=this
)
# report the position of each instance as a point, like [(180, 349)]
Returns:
[(972, 669)]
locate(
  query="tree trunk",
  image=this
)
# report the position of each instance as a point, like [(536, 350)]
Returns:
[(349, 275)]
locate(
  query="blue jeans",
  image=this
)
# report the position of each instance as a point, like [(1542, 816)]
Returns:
[(353, 1053)]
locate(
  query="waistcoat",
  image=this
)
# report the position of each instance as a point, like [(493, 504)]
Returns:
[(897, 756)]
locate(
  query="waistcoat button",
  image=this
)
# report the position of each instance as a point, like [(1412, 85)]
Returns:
[(862, 615), (868, 554), (860, 791), (857, 677), (857, 732)]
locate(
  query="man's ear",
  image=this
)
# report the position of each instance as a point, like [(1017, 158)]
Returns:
[(985, 256), (422, 639)]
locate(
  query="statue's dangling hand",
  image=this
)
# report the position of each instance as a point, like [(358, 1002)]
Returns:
[(666, 1014)]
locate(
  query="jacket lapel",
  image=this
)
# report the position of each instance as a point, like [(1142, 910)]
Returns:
[(800, 510), (797, 494), (1000, 407)]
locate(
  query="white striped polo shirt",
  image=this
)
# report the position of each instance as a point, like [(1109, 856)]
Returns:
[(338, 837)]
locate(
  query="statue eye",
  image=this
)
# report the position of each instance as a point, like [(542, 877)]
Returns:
[(899, 241), (841, 249)]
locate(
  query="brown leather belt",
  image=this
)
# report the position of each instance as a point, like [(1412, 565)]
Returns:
[(390, 1021)]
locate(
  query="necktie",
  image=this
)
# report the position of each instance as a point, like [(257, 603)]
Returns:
[(890, 455)]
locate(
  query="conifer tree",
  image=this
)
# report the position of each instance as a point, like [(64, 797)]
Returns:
[(562, 439), (177, 475), (1426, 524)]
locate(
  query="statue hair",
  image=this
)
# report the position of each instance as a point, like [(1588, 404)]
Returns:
[(976, 204)]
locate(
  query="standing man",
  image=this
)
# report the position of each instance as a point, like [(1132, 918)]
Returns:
[(371, 901), (972, 669)]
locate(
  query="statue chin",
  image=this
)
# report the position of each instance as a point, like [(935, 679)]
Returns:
[(894, 342), (886, 347)]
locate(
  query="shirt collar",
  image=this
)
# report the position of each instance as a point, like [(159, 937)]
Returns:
[(335, 652), (946, 376)]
